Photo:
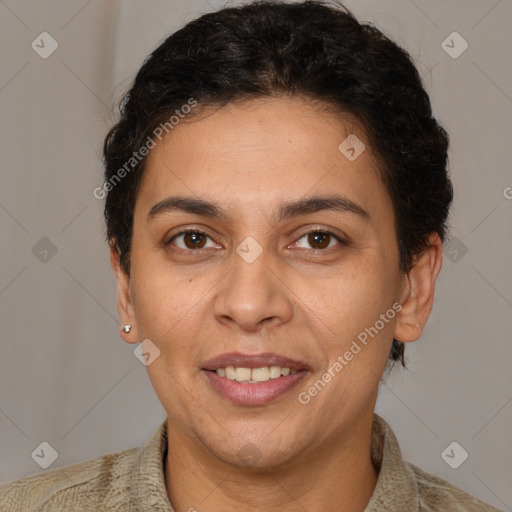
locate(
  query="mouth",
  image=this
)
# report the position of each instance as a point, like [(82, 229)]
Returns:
[(253, 379)]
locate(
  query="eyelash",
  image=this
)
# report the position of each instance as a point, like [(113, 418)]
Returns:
[(198, 231)]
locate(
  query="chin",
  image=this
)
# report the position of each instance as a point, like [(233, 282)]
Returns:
[(258, 454)]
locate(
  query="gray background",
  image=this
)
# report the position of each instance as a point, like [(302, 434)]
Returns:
[(65, 375)]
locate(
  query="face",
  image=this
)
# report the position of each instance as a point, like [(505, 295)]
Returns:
[(252, 278)]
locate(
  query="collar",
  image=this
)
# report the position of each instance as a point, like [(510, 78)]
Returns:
[(148, 489), (396, 483)]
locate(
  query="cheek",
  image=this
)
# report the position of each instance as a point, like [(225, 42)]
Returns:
[(170, 312), (351, 298), (173, 310), (163, 295), (349, 323)]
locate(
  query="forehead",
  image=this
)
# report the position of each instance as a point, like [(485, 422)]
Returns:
[(255, 154)]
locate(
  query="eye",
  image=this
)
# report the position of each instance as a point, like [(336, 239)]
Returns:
[(194, 239), (321, 239), (191, 239)]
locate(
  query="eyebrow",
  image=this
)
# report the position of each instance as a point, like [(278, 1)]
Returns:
[(332, 202)]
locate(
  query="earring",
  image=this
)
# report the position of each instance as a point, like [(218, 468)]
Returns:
[(126, 328)]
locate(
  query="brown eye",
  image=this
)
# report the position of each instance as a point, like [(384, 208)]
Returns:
[(320, 240), (194, 240), (189, 240)]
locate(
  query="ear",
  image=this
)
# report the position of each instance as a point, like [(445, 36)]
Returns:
[(418, 294), (124, 298)]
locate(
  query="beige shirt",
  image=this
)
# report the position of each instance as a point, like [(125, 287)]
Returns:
[(133, 481)]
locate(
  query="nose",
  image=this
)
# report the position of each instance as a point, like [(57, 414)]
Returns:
[(253, 295)]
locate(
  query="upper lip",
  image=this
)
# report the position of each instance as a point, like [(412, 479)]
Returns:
[(253, 361)]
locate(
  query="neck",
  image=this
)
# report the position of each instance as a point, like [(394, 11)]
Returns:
[(339, 475)]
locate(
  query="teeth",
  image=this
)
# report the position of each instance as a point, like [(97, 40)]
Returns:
[(274, 372), (230, 372), (253, 375), (261, 374), (242, 374)]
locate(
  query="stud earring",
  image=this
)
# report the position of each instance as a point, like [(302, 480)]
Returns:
[(126, 328)]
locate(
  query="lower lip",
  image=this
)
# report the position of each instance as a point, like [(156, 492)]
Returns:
[(254, 394)]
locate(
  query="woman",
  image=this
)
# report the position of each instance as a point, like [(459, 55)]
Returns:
[(276, 202)]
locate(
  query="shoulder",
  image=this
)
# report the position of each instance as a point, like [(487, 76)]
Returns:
[(437, 494), (100, 483)]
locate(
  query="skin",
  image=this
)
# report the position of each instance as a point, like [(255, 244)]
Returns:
[(294, 299)]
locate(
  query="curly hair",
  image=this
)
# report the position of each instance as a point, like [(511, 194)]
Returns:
[(311, 49)]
